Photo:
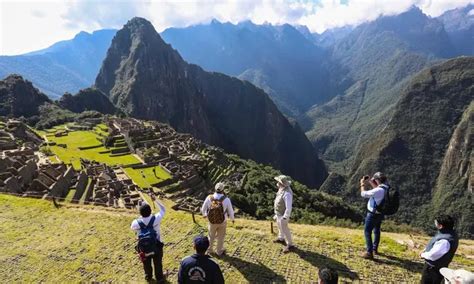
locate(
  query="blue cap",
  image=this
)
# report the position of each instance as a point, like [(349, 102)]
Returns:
[(201, 242)]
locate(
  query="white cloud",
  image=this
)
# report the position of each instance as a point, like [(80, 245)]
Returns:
[(34, 24)]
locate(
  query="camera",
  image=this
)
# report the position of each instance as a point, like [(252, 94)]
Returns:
[(365, 177)]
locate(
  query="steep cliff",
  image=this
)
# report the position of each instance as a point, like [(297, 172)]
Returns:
[(146, 78)]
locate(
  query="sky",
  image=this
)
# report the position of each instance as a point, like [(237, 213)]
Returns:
[(31, 25)]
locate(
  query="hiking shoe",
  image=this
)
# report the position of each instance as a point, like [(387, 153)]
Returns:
[(221, 254), (287, 249), (376, 252), (279, 241), (367, 255)]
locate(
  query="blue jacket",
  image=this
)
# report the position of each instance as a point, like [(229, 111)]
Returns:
[(199, 269)]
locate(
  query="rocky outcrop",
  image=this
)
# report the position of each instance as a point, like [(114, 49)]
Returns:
[(146, 78), (87, 99), (19, 98)]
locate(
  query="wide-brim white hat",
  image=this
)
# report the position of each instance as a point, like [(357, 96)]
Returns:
[(285, 180), (457, 276)]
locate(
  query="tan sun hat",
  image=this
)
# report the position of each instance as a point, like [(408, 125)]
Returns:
[(219, 187), (460, 276), (285, 180)]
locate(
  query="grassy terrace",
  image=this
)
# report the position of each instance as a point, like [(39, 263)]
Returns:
[(77, 139), (146, 177), (84, 243)]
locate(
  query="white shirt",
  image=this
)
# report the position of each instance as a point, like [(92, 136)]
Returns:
[(377, 194), (228, 210), (439, 249), (156, 225)]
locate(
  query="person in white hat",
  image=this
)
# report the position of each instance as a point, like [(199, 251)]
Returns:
[(217, 208), (459, 276), (283, 206)]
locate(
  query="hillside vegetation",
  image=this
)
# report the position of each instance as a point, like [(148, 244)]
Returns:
[(40, 243)]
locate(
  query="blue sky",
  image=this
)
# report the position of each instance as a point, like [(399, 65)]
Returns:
[(27, 25)]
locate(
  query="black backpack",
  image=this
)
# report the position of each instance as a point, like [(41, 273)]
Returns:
[(390, 202), (147, 242)]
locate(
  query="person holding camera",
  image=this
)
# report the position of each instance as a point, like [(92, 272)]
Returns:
[(374, 218)]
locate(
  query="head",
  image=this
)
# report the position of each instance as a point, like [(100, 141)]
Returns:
[(445, 222), (283, 181), (459, 276), (145, 210), (201, 244), (327, 276), (379, 178), (220, 186)]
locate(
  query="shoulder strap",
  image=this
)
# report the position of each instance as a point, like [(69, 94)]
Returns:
[(223, 197), (211, 197), (152, 222), (141, 224)]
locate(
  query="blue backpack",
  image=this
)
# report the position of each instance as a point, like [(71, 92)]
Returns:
[(147, 242)]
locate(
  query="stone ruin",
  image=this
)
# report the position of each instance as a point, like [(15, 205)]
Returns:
[(108, 186), (181, 155)]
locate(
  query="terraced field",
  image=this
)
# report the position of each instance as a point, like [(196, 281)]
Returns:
[(89, 139), (40, 243)]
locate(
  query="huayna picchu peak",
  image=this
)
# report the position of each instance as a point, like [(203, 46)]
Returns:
[(147, 79)]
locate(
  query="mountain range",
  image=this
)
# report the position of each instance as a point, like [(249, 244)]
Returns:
[(384, 95)]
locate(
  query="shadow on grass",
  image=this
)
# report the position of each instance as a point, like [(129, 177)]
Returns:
[(253, 272), (318, 260), (407, 264)]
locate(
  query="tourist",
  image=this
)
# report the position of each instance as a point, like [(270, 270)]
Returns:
[(327, 276), (283, 206), (459, 276), (199, 267), (374, 218), (217, 208), (151, 250), (440, 250)]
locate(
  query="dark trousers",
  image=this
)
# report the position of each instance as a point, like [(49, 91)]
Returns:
[(373, 222), (157, 260), (431, 275)]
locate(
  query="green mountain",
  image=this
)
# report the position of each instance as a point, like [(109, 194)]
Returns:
[(87, 99), (377, 59), (18, 97), (411, 148), (144, 77)]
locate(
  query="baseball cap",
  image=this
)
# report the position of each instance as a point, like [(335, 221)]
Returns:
[(457, 276), (378, 175)]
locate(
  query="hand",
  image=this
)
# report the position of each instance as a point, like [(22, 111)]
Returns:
[(363, 181), (421, 254)]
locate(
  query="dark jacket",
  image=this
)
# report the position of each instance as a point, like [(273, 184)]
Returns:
[(199, 269), (453, 240)]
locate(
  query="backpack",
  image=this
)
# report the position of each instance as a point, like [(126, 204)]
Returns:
[(215, 214), (390, 202), (147, 242)]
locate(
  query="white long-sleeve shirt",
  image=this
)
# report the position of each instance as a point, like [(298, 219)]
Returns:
[(156, 225), (227, 204), (377, 194), (439, 249)]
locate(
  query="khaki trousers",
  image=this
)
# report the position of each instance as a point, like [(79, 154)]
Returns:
[(217, 231), (284, 231)]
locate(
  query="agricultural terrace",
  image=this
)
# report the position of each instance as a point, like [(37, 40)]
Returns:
[(146, 177)]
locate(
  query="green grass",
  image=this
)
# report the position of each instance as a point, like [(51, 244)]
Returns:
[(91, 244), (150, 178), (77, 139)]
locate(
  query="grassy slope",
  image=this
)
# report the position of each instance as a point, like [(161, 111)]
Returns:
[(77, 139), (81, 243), (145, 177)]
